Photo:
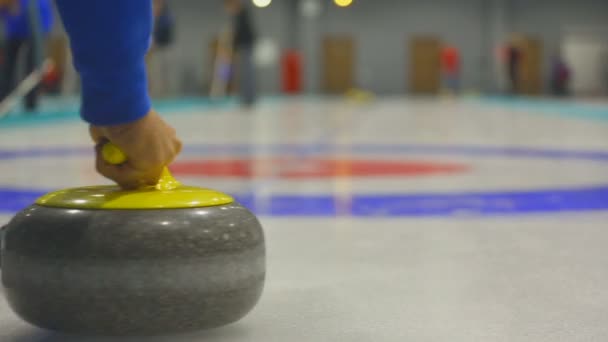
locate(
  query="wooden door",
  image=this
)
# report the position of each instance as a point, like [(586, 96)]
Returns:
[(338, 64), (425, 67), (531, 80)]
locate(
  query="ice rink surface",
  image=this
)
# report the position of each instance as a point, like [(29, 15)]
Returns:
[(395, 220)]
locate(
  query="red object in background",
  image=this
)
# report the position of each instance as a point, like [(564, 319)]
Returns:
[(450, 60), (502, 53), (314, 168), (292, 72), (51, 79), (51, 76)]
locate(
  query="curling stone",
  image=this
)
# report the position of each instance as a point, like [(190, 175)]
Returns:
[(156, 261)]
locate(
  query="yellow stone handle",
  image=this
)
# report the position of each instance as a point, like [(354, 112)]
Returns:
[(112, 154)]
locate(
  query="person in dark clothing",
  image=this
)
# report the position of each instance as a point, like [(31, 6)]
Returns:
[(158, 58), (244, 39), (163, 24), (513, 64), (20, 37), (560, 77)]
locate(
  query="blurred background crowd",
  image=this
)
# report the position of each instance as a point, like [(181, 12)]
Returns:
[(250, 48)]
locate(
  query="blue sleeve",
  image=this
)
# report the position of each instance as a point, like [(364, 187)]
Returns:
[(109, 40)]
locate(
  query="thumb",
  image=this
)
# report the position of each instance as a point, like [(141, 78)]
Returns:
[(125, 175)]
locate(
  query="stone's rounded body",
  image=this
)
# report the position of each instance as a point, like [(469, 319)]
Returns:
[(133, 272)]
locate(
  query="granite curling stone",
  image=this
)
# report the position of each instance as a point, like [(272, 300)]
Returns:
[(157, 261)]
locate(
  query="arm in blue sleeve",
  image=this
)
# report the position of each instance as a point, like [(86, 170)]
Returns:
[(109, 40)]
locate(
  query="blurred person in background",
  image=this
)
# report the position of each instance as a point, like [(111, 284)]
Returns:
[(560, 76), (162, 39), (244, 39), (605, 73), (514, 58), (450, 68), (163, 23), (20, 41)]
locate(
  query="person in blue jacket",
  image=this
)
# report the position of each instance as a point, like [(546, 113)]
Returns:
[(109, 41), (20, 41)]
